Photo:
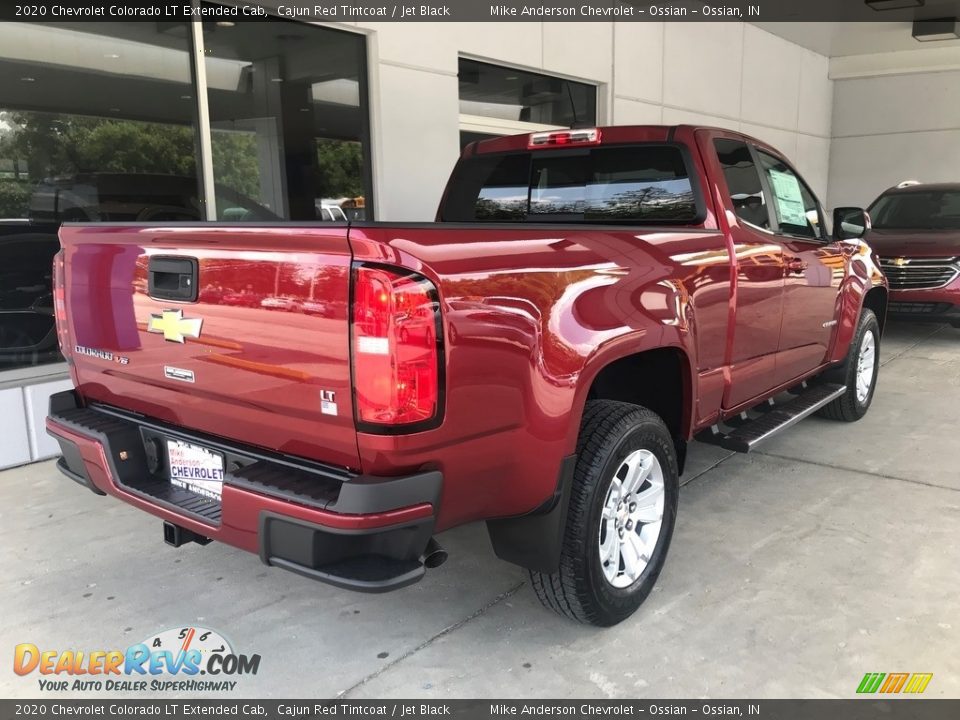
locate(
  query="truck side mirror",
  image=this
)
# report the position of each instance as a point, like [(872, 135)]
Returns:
[(850, 223)]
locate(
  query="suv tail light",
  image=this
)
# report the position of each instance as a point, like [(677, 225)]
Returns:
[(554, 138), (396, 349), (60, 306)]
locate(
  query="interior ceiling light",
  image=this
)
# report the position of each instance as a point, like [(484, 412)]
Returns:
[(894, 4), (225, 23), (940, 29)]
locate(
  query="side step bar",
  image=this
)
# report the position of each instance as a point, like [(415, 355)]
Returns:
[(748, 432)]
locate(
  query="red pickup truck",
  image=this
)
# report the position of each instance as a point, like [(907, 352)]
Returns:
[(587, 303)]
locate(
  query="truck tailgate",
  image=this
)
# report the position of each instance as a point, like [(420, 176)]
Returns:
[(237, 331)]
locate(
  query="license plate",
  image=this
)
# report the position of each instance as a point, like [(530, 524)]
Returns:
[(195, 468)]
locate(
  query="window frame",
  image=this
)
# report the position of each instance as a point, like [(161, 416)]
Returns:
[(205, 129), (501, 127), (823, 237)]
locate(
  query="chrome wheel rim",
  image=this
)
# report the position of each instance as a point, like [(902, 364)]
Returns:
[(865, 366), (631, 519)]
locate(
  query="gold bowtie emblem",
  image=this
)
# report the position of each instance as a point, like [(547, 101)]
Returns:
[(900, 262), (174, 326)]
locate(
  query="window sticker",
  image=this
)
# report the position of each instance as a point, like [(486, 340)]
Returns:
[(786, 188)]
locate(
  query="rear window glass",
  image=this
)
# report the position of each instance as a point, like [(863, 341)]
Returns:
[(643, 183)]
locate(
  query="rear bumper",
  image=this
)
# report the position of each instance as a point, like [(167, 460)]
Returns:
[(354, 531)]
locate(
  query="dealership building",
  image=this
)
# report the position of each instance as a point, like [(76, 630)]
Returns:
[(283, 119)]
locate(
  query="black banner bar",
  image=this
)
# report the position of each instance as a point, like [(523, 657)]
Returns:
[(479, 10), (867, 708)]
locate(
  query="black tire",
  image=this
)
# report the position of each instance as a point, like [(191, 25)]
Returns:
[(609, 432), (848, 407)]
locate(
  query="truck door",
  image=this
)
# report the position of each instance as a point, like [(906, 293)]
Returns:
[(758, 257), (813, 270)]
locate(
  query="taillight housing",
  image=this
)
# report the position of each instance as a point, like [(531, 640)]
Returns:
[(60, 305), (397, 349)]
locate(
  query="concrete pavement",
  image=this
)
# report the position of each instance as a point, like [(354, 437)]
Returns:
[(832, 552)]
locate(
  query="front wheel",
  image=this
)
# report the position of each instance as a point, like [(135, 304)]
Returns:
[(620, 519), (859, 372)]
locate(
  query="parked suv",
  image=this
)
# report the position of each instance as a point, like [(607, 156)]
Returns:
[(916, 233)]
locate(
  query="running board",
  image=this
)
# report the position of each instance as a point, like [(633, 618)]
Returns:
[(748, 432)]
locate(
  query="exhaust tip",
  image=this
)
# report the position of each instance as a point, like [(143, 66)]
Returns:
[(434, 556)]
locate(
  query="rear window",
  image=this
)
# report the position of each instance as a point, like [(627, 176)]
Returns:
[(623, 184)]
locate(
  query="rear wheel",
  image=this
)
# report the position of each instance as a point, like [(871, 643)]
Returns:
[(858, 372), (621, 516)]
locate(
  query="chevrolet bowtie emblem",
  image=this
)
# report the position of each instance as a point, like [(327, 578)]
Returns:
[(174, 326), (900, 262)]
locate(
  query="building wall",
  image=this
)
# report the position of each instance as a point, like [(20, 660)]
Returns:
[(729, 74), (23, 410), (890, 128)]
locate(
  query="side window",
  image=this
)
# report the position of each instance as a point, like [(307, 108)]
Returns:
[(743, 182), (796, 207)]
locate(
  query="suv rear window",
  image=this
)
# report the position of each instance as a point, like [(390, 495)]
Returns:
[(625, 184)]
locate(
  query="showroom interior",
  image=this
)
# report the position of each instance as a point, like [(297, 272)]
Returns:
[(290, 120)]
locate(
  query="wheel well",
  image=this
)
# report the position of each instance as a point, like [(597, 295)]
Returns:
[(655, 379), (876, 300)]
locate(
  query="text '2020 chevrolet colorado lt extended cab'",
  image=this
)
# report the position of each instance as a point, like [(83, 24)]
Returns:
[(589, 301)]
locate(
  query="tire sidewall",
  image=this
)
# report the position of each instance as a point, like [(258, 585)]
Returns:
[(868, 324), (621, 602)]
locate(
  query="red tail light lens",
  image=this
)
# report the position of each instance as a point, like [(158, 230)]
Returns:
[(396, 347), (60, 305)]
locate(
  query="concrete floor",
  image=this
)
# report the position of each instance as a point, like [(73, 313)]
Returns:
[(833, 552)]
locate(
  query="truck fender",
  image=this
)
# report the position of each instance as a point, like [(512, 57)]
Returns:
[(865, 284), (534, 540), (627, 346)]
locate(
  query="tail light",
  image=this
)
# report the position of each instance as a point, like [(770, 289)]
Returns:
[(60, 305), (555, 138), (396, 336)]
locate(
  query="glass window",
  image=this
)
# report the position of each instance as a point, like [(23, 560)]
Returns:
[(643, 183), (502, 93), (288, 116), (743, 182), (927, 209), (97, 122), (796, 207)]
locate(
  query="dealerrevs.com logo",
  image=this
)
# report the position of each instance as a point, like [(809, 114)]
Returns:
[(188, 659)]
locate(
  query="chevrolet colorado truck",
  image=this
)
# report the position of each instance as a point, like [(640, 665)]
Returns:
[(916, 232), (587, 302)]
